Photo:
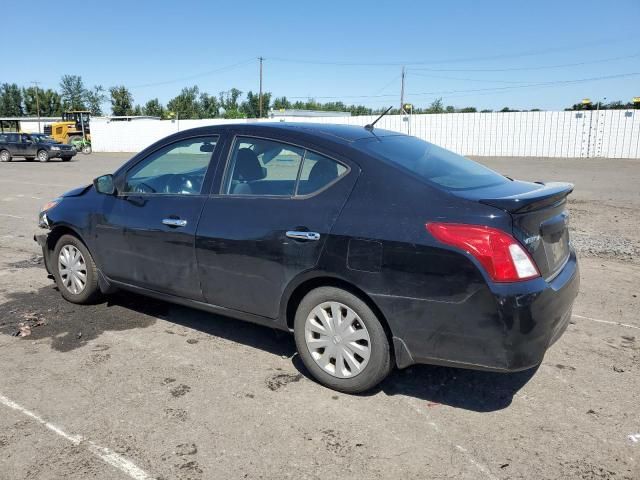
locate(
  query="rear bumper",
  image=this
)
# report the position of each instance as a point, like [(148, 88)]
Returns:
[(501, 327), (62, 153)]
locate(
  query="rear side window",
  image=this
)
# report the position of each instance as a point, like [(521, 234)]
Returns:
[(430, 162), (266, 167), (317, 172)]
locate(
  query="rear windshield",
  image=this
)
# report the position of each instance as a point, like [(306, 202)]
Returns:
[(432, 163)]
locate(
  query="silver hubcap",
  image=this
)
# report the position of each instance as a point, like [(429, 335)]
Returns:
[(4, 156), (42, 156), (72, 268), (337, 339)]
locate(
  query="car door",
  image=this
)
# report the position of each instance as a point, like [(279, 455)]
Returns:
[(14, 144), (28, 146), (146, 232), (268, 222)]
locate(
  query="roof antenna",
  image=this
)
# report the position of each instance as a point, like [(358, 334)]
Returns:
[(370, 125)]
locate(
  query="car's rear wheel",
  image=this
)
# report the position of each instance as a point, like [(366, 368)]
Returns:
[(341, 341), (43, 156), (75, 271), (5, 156)]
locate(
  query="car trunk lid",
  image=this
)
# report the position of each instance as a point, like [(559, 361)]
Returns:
[(540, 219)]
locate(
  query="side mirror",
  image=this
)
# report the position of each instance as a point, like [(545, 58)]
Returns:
[(104, 184)]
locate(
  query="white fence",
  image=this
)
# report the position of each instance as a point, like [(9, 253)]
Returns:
[(607, 133)]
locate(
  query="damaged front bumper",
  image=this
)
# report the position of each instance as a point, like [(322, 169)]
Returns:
[(43, 241)]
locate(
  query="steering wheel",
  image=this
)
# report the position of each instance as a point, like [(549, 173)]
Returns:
[(180, 184)]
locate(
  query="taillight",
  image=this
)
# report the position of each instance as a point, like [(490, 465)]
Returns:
[(499, 253)]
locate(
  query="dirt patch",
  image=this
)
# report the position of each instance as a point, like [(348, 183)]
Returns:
[(71, 326), (276, 382), (180, 390), (33, 262)]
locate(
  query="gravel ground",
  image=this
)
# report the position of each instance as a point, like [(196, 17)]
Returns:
[(137, 388)]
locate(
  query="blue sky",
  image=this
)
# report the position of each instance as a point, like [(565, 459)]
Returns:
[(467, 52)]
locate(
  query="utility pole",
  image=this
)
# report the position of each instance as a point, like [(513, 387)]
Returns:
[(260, 96), (402, 93), (38, 104)]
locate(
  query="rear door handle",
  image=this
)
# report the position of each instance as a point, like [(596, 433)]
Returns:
[(298, 235), (174, 222)]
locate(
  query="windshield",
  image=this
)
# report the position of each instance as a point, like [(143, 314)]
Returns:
[(432, 163), (42, 138)]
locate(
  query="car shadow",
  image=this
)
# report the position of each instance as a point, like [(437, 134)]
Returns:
[(71, 326), (472, 390)]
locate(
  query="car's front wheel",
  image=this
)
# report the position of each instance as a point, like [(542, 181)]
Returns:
[(43, 156), (74, 270), (341, 341)]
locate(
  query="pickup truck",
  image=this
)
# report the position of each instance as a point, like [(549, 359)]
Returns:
[(30, 148)]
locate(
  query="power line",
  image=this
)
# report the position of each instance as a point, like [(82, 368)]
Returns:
[(541, 67), (445, 77), (511, 87), (191, 77), (454, 60)]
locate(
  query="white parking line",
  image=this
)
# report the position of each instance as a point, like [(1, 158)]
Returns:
[(467, 455), (10, 216), (105, 454), (608, 322)]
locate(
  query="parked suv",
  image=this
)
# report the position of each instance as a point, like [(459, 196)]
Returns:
[(32, 147)]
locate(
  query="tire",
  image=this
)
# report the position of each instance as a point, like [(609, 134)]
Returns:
[(86, 149), (5, 156), (69, 288), (43, 156), (73, 139), (363, 324)]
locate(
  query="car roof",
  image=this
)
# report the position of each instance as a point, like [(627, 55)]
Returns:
[(337, 133)]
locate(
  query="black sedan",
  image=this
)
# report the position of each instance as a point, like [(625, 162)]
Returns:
[(30, 147), (376, 249)]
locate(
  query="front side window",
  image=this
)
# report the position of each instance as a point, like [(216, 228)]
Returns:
[(267, 167), (177, 169)]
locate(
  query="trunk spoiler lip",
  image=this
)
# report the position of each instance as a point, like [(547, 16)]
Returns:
[(548, 194)]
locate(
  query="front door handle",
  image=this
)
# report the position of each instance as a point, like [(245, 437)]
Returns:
[(174, 222), (298, 235)]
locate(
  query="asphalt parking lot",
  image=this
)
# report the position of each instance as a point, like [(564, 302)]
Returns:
[(137, 388)]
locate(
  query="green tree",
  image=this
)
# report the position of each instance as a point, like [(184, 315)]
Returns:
[(154, 108), (209, 107), (10, 100), (229, 103), (281, 103), (251, 106), (186, 105), (121, 101), (94, 99), (49, 101), (436, 106), (72, 92), (450, 109), (468, 110)]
